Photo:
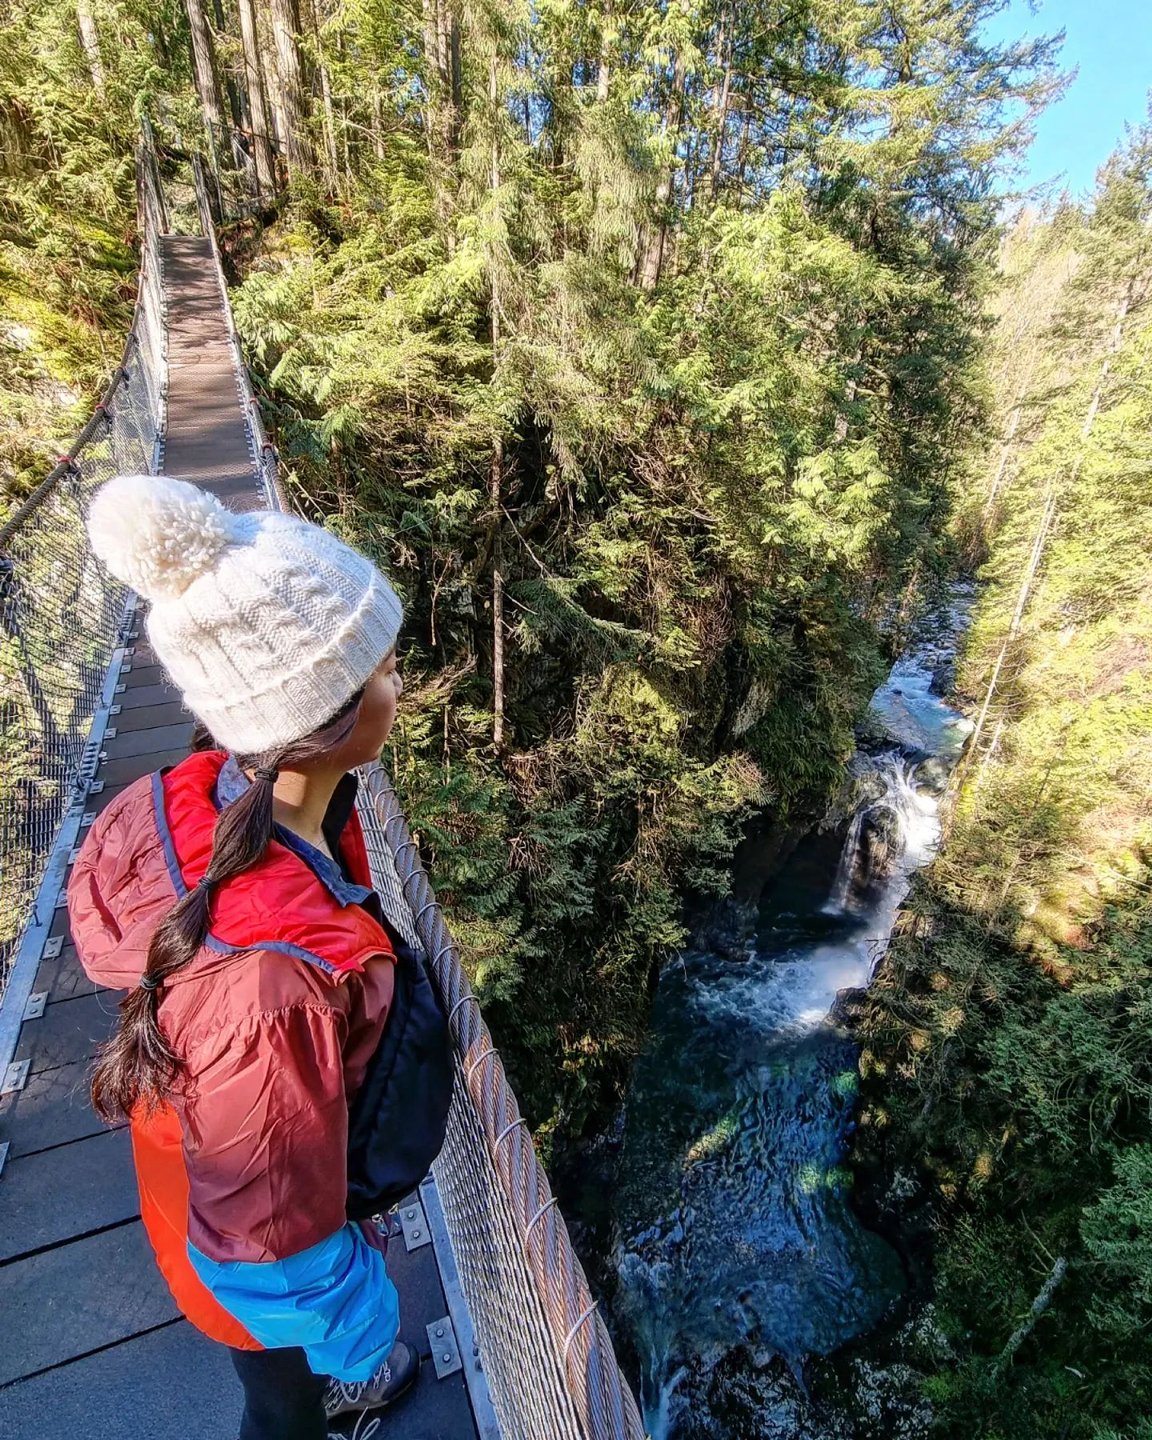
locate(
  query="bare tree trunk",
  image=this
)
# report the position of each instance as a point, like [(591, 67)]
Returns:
[(720, 110), (1043, 529), (1039, 1305), (257, 99), (604, 73), (742, 151), (328, 114), (1006, 443), (442, 117), (90, 40), (266, 44), (378, 125), (204, 67), (496, 473), (442, 51), (235, 104), (652, 262), (293, 94), (495, 488)]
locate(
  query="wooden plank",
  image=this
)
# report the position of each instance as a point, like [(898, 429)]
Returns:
[(70, 1300), (132, 767), (52, 1109), (70, 1031), (149, 742), (52, 1197), (96, 803), (173, 1384), (144, 671), (64, 979), (136, 696), (149, 717), (140, 677)]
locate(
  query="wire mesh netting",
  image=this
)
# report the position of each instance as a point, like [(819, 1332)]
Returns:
[(60, 611), (547, 1354)]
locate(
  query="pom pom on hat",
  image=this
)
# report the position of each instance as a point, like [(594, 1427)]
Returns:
[(158, 535)]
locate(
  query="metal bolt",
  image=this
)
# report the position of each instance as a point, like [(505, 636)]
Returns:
[(439, 1332), (447, 1358), (411, 1215), (416, 1234)]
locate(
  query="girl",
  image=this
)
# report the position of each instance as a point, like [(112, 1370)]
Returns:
[(231, 895)]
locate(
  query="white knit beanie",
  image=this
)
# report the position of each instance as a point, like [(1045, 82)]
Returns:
[(268, 625)]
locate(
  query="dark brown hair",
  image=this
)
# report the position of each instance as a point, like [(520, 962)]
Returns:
[(138, 1066)]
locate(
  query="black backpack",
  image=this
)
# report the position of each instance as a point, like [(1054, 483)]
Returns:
[(397, 1121)]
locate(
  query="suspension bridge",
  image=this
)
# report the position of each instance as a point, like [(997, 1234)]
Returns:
[(514, 1345)]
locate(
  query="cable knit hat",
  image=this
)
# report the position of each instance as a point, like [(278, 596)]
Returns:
[(268, 625)]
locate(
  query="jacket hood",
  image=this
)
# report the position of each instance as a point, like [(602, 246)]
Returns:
[(154, 842)]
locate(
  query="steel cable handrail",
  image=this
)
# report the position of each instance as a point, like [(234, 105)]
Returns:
[(146, 220), (603, 1401)]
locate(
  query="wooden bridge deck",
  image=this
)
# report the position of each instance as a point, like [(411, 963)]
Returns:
[(92, 1344)]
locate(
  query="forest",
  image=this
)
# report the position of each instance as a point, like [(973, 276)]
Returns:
[(673, 356)]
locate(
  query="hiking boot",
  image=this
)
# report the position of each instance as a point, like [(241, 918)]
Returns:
[(396, 1375)]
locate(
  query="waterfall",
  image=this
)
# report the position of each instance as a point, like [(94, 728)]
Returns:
[(837, 903), (869, 856), (736, 1236)]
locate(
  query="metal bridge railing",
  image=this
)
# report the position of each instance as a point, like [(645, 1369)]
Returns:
[(60, 612), (551, 1370)]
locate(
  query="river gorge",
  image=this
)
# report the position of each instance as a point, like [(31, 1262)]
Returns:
[(739, 1255)]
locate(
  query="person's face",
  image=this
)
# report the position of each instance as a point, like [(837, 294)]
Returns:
[(377, 713)]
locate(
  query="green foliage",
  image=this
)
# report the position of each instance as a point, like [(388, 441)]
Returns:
[(66, 208), (1008, 1029), (703, 404)]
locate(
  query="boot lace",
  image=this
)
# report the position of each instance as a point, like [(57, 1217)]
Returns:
[(351, 1392), (367, 1433)]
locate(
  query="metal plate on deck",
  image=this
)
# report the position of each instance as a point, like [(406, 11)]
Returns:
[(414, 1225), (445, 1351)]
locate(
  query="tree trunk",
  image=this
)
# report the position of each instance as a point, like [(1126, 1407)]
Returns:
[(235, 102), (442, 54), (652, 262), (442, 116), (293, 94), (204, 67), (1006, 443), (496, 473), (495, 500), (1039, 1305), (90, 40), (720, 109), (328, 113), (257, 99), (604, 73), (1043, 530)]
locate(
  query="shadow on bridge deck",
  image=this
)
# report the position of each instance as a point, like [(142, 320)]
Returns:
[(92, 1344)]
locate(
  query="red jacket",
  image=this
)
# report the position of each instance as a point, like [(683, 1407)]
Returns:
[(274, 1020)]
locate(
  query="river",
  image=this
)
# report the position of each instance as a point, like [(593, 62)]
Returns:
[(737, 1239)]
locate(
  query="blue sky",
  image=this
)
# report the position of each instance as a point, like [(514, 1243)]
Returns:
[(1110, 41)]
